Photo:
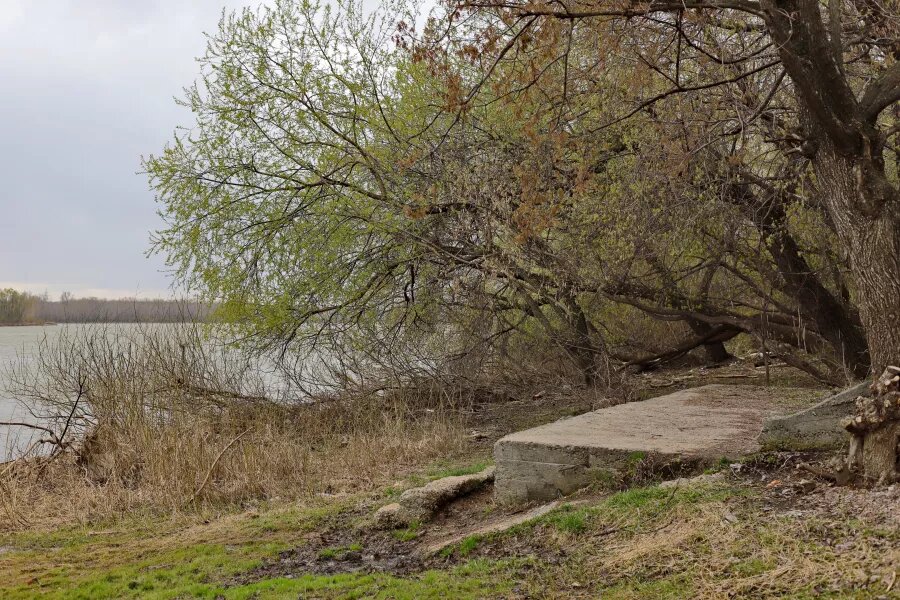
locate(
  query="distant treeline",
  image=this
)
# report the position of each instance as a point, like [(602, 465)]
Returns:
[(20, 308)]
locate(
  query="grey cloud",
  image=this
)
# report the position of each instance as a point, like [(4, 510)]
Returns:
[(86, 88)]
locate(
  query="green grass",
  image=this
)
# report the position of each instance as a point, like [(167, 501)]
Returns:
[(152, 558), (645, 542), (183, 572), (468, 545), (172, 562), (569, 519), (340, 551), (674, 587), (199, 572), (473, 580), (444, 468), (439, 473), (408, 534), (391, 492)]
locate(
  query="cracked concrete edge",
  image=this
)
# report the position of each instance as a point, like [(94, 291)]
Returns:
[(522, 481)]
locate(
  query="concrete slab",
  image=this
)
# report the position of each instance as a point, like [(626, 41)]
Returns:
[(420, 504), (699, 425)]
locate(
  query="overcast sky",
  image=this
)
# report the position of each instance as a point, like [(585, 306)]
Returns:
[(86, 88)]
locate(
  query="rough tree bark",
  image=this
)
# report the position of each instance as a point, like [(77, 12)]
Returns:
[(876, 428), (863, 204), (833, 319)]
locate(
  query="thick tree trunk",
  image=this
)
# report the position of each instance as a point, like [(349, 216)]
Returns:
[(872, 239), (846, 149), (715, 349), (876, 429), (833, 318), (873, 245), (583, 350)]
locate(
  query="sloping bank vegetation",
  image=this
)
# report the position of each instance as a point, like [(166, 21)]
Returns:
[(413, 217), (160, 419)]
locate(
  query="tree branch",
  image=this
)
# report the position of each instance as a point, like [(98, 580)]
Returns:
[(880, 94)]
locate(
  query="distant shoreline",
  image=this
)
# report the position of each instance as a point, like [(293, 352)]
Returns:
[(28, 324)]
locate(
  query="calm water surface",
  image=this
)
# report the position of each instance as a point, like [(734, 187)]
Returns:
[(16, 342)]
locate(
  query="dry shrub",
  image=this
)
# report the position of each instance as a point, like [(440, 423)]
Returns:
[(529, 364), (152, 420)]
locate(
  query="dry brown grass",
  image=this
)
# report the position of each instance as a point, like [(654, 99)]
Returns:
[(164, 469), (153, 436), (716, 549)]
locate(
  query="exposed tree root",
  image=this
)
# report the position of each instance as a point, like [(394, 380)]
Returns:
[(876, 430)]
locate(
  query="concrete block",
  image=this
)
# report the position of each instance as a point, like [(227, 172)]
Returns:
[(691, 426)]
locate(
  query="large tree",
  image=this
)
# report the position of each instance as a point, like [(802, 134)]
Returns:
[(352, 187), (842, 72)]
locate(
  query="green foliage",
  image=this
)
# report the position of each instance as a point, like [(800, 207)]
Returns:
[(350, 193), (14, 306), (278, 201), (322, 201)]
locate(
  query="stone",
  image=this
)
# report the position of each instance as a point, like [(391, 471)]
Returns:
[(389, 516), (421, 503), (694, 427), (816, 428)]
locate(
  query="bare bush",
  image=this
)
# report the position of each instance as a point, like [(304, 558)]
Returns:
[(164, 419)]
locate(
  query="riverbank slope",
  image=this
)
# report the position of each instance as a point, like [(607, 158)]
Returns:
[(761, 528)]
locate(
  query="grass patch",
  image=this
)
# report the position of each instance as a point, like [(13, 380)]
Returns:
[(445, 468), (340, 551), (669, 588), (151, 558), (473, 580), (408, 534), (569, 519), (468, 545)]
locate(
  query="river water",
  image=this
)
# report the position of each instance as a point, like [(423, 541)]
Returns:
[(17, 343), (21, 344)]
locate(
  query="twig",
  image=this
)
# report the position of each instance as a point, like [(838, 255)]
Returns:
[(215, 463), (60, 446), (29, 425)]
